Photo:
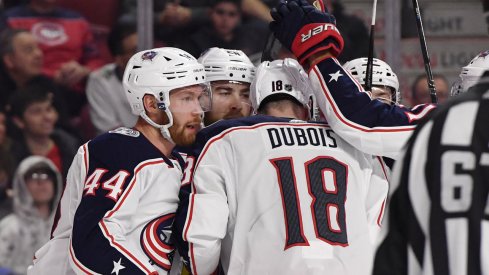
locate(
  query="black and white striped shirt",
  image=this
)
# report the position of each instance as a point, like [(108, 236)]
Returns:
[(438, 213)]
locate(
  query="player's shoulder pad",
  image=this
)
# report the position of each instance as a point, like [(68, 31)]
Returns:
[(220, 126), (325, 123), (223, 125), (123, 148)]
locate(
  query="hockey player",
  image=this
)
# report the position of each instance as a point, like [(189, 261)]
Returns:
[(370, 125), (385, 85), (471, 73), (438, 218), (278, 195), (230, 73), (122, 189)]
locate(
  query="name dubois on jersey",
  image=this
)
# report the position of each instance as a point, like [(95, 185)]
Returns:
[(296, 136)]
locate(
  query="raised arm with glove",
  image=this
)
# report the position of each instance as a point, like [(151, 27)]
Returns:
[(370, 125), (304, 30)]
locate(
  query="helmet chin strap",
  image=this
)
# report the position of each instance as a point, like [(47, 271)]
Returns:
[(163, 128)]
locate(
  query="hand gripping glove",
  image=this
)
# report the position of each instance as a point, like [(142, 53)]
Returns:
[(304, 30)]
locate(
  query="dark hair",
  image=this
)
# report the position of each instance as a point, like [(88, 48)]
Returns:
[(264, 105), (423, 76), (236, 2), (6, 40), (119, 32), (36, 91), (41, 167)]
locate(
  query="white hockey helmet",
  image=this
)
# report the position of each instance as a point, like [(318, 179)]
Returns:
[(285, 77), (225, 64), (471, 73), (157, 72), (382, 74)]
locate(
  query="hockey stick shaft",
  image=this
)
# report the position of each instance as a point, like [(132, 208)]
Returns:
[(266, 54), (370, 60), (424, 51)]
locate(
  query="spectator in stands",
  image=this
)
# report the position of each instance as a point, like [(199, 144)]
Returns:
[(37, 189), (6, 4), (6, 271), (32, 111), (21, 61), (224, 32), (259, 9), (109, 108), (21, 65), (353, 30), (6, 168), (255, 20), (64, 37), (173, 20), (420, 93)]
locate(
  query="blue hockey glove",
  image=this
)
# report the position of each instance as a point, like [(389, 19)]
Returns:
[(304, 30)]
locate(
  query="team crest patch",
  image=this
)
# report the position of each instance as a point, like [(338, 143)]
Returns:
[(49, 33), (156, 241), (288, 87), (126, 132), (149, 55), (484, 54)]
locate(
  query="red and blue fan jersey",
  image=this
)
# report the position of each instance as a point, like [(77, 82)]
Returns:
[(63, 35)]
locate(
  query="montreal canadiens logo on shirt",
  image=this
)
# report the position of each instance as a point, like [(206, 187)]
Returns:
[(49, 33)]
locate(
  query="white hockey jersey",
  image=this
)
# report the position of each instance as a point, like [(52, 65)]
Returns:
[(370, 125), (277, 197), (116, 212)]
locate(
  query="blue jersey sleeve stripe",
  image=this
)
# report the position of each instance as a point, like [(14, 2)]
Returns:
[(356, 121), (78, 264)]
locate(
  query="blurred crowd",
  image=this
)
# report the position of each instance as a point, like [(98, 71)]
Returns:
[(60, 85)]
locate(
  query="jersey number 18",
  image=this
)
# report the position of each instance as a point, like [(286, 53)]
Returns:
[(328, 199)]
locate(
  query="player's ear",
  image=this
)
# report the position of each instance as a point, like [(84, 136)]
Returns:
[(150, 104)]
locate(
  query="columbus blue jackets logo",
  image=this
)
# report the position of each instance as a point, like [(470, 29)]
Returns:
[(155, 241), (484, 54), (149, 55)]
